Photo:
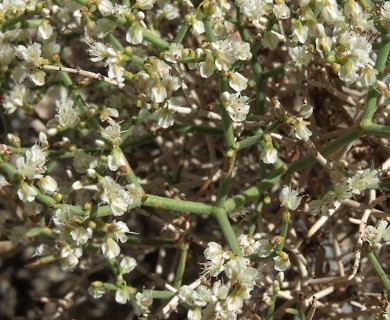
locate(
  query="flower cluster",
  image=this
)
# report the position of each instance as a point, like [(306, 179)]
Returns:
[(119, 199), (32, 168), (346, 188), (224, 300), (374, 235)]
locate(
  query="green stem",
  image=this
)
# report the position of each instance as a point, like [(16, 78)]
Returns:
[(130, 175), (182, 265), (227, 231), (209, 31), (283, 230), (271, 307), (255, 216), (155, 40), (177, 205), (181, 34), (379, 270), (19, 18), (381, 61)]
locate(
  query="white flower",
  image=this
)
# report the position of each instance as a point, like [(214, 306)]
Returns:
[(236, 106), (70, 257), (45, 30), (385, 20), (106, 114), (122, 295), (263, 248), (143, 300), (300, 129), (207, 67), (223, 52), (203, 296), (134, 34), (66, 113), (289, 198), (110, 248), (38, 77), (174, 52), (31, 55), (26, 192), (117, 197), (116, 159), (80, 235), (7, 54), (281, 10), (220, 290), (194, 314), (187, 294), (116, 72), (214, 252), (104, 6), (374, 235), (301, 56), (145, 4), (237, 81), (112, 133), (127, 265), (282, 261), (99, 51), (118, 230), (348, 72), (360, 182), (48, 184), (270, 39), (158, 93), (318, 207), (368, 76), (96, 289), (164, 117), (246, 243), (269, 154), (63, 218), (300, 32), (17, 97)]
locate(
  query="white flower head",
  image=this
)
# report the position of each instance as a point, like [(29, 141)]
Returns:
[(48, 184), (122, 295), (263, 248), (66, 113), (269, 154), (143, 300), (375, 235), (112, 133), (127, 265), (116, 159), (30, 54), (236, 106), (237, 81), (96, 289), (164, 116), (282, 261), (45, 30), (110, 248), (105, 6), (289, 198), (26, 192), (360, 182)]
